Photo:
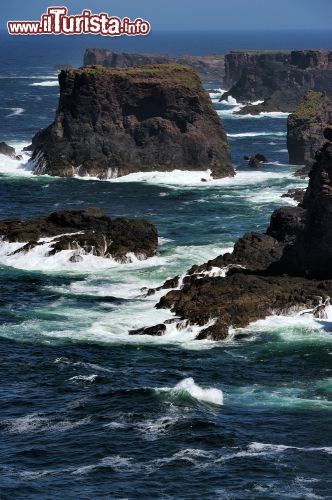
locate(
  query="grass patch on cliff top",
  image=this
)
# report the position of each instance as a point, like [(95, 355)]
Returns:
[(309, 106), (167, 73)]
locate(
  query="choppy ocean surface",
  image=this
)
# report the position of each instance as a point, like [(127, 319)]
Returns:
[(88, 411)]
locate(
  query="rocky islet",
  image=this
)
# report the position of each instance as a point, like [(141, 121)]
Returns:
[(86, 231), (113, 122)]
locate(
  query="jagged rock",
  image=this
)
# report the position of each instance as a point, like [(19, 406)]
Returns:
[(112, 122), (311, 254), (255, 161), (289, 268), (156, 330), (240, 299), (296, 194), (304, 172), (306, 125), (87, 231), (279, 78), (287, 223), (208, 68)]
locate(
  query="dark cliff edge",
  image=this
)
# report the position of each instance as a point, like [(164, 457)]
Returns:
[(287, 269), (113, 122), (278, 78), (306, 125), (208, 68)]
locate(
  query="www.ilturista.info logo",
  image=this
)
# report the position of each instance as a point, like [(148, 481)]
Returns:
[(57, 22)]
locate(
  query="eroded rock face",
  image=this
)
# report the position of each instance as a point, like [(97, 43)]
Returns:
[(88, 231), (288, 268), (305, 127), (112, 122), (280, 79), (208, 68), (311, 254)]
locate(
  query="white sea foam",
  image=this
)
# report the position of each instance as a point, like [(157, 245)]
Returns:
[(84, 378), (231, 101), (37, 259), (14, 111), (257, 134), (188, 385), (188, 179), (115, 462), (47, 83), (28, 77), (152, 429), (255, 103), (16, 168), (230, 114), (35, 422), (280, 448)]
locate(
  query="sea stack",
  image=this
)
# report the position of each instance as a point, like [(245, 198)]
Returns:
[(306, 125), (113, 122)]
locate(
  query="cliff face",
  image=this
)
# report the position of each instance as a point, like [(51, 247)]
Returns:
[(288, 268), (279, 78), (306, 125), (311, 254), (207, 67), (113, 122)]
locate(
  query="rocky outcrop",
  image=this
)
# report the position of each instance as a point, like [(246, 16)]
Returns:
[(311, 254), (256, 160), (296, 194), (287, 269), (88, 231), (306, 125), (9, 151), (208, 68), (280, 79), (112, 122)]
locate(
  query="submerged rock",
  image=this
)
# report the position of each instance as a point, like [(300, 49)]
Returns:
[(255, 161), (287, 269), (87, 231), (113, 122)]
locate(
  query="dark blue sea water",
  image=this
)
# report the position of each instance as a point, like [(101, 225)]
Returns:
[(88, 411)]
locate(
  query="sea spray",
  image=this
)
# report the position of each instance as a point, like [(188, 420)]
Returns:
[(188, 386)]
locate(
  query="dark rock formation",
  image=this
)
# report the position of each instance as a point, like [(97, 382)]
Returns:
[(280, 79), (255, 161), (311, 254), (112, 122), (296, 194), (288, 268), (9, 151), (156, 331), (208, 68), (306, 125), (86, 231)]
